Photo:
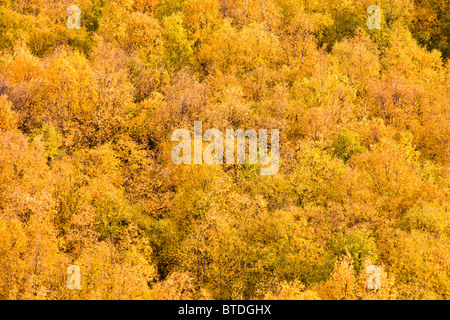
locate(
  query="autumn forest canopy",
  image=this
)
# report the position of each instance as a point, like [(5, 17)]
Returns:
[(87, 179)]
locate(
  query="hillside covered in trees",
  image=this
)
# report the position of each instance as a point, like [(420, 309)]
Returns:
[(86, 176)]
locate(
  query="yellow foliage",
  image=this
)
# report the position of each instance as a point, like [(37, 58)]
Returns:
[(342, 284), (87, 179)]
